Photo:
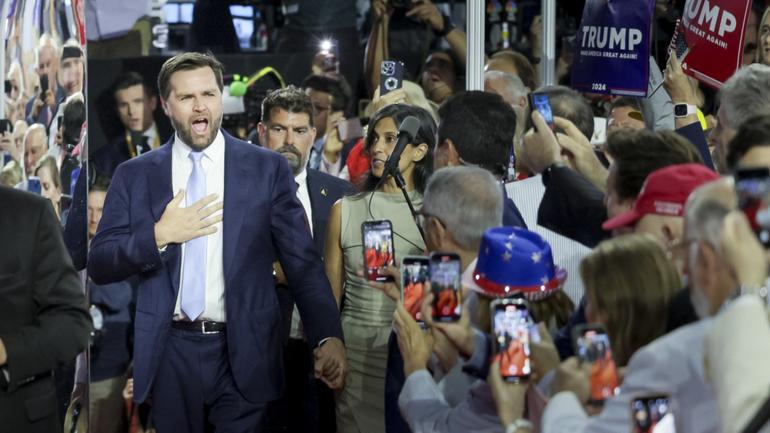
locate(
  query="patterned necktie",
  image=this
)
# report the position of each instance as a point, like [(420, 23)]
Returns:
[(194, 269)]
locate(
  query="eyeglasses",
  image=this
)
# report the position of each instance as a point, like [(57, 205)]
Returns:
[(423, 216)]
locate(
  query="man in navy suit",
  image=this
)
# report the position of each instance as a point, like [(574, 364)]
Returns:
[(206, 347), (287, 127)]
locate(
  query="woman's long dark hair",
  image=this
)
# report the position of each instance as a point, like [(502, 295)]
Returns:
[(426, 134)]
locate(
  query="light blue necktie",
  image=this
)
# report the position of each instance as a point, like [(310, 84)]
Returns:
[(194, 269)]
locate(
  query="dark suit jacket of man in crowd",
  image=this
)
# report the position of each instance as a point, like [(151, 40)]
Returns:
[(43, 319), (263, 222)]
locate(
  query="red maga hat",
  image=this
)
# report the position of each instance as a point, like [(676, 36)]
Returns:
[(664, 192)]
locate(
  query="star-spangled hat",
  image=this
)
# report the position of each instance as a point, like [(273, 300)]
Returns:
[(516, 261)]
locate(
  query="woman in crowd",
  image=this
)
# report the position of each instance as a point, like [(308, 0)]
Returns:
[(367, 313), (763, 53), (50, 182), (629, 282)]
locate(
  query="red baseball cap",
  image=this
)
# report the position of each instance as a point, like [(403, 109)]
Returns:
[(664, 192)]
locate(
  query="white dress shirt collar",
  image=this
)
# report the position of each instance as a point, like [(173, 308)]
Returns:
[(301, 178), (215, 152)]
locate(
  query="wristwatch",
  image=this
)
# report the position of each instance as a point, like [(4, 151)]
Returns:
[(520, 424), (684, 110)]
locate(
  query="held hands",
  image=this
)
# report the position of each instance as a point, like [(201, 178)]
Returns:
[(180, 224), (331, 364)]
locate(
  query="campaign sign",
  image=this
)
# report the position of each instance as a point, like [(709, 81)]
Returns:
[(714, 32), (613, 47)]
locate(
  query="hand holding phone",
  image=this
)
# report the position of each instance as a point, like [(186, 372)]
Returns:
[(391, 76), (511, 326), (542, 104), (592, 345), (415, 272), (445, 285), (752, 186), (379, 252)]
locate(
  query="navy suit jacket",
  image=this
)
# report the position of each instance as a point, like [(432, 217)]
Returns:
[(263, 222), (324, 191)]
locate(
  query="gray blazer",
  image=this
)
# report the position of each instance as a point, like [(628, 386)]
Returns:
[(672, 364)]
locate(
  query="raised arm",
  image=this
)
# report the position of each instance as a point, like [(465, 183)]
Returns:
[(377, 44)]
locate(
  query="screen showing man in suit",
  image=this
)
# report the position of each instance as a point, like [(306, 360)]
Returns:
[(206, 348)]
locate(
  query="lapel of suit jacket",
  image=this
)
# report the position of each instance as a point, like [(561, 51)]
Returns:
[(161, 192), (237, 193), (311, 192)]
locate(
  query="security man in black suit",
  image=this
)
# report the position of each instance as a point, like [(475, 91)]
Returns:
[(43, 319), (287, 128)]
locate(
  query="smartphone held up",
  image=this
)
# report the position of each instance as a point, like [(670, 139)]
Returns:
[(445, 276), (378, 249), (592, 345), (415, 273), (511, 326)]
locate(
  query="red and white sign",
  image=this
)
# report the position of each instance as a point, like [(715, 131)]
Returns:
[(714, 31)]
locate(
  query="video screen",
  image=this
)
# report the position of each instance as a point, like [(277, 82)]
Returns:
[(511, 327), (445, 285), (378, 250), (653, 415), (414, 274), (594, 347)]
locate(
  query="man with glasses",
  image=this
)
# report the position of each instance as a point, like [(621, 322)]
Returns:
[(330, 96)]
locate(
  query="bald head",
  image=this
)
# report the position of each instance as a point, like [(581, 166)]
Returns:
[(706, 208)]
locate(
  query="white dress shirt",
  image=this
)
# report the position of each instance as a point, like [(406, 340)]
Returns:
[(213, 164), (568, 254)]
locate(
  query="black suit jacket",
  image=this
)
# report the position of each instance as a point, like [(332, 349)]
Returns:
[(572, 207), (43, 320), (324, 190)]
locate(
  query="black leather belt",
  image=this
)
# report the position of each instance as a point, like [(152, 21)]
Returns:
[(199, 326)]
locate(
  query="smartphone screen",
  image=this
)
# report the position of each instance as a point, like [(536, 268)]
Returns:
[(752, 185), (378, 249), (445, 285), (43, 85), (511, 324), (33, 185), (593, 345), (541, 103), (391, 76), (652, 414), (415, 271), (5, 126)]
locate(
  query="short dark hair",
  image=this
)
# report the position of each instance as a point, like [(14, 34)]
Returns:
[(754, 132), (129, 79), (571, 105), (481, 126), (638, 152), (426, 134), (291, 99), (626, 101), (186, 62), (337, 86), (101, 182), (523, 66), (72, 120)]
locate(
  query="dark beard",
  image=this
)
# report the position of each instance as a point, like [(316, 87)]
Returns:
[(185, 133)]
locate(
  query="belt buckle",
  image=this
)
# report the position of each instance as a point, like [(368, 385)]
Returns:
[(204, 331)]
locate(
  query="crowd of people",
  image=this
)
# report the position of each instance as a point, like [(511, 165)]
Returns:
[(228, 279)]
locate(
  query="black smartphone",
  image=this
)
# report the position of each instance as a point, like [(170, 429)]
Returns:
[(511, 324), (43, 86), (33, 185), (541, 103), (58, 122), (445, 275), (415, 272), (678, 42), (8, 87), (592, 345), (391, 76), (5, 126), (653, 414), (379, 252), (752, 186)]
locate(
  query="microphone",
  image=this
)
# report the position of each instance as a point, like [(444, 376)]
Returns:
[(406, 133)]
